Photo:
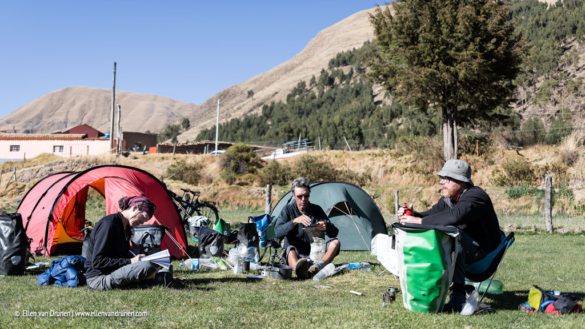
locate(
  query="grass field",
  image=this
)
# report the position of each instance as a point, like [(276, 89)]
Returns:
[(227, 300)]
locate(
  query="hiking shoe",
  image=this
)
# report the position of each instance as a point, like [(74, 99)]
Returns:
[(316, 267), (456, 302), (302, 268)]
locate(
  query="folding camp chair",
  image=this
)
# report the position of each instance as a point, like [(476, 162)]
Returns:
[(487, 267), (268, 241)]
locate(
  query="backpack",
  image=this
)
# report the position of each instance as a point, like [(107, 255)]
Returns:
[(146, 239), (426, 261), (550, 302), (13, 244), (210, 241), (248, 235)]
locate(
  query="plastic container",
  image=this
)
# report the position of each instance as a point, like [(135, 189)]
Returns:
[(496, 288), (364, 266), (325, 272), (191, 264), (198, 264)]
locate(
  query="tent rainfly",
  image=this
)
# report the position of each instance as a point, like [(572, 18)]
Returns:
[(350, 208), (53, 210)]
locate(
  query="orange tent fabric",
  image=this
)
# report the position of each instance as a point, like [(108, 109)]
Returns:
[(53, 210)]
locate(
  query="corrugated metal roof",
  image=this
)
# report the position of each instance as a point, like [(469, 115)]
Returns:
[(18, 136)]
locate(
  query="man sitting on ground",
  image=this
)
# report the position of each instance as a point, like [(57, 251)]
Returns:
[(290, 225), (470, 209)]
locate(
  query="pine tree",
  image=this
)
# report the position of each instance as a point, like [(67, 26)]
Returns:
[(456, 57)]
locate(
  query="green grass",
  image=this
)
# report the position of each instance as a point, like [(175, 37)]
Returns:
[(561, 223), (227, 300)]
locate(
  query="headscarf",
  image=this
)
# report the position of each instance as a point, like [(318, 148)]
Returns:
[(140, 201)]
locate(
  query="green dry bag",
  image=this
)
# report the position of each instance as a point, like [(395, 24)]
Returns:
[(426, 256)]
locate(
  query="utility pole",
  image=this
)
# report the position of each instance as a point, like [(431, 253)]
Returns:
[(119, 130), (113, 116), (217, 127)]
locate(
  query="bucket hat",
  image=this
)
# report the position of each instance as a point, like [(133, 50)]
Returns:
[(458, 170)]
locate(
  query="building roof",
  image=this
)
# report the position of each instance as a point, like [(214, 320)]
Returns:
[(86, 129), (19, 136)]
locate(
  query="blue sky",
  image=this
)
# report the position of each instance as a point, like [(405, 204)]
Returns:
[(186, 50)]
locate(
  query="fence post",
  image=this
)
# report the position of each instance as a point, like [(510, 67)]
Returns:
[(396, 203), (548, 203), (268, 198)]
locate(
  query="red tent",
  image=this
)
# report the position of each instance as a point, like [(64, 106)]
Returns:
[(53, 210)]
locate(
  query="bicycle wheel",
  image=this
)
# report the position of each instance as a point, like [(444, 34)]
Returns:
[(208, 210)]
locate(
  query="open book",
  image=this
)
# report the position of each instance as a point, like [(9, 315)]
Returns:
[(161, 258)]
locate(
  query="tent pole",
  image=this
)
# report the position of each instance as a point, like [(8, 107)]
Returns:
[(173, 239)]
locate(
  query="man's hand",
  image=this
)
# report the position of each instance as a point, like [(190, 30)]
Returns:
[(321, 226), (136, 258), (401, 211), (410, 220), (302, 219)]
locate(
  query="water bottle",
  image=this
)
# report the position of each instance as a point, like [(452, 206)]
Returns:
[(359, 266), (191, 263), (325, 272), (471, 303)]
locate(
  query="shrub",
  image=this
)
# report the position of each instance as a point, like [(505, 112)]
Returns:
[(315, 170), (427, 150), (239, 159), (188, 172), (559, 129), (558, 170), (515, 172), (478, 144), (532, 132), (569, 157), (518, 191), (275, 173)]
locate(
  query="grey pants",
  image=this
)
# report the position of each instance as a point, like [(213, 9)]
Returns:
[(123, 276)]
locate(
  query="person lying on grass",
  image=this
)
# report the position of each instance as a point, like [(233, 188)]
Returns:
[(109, 262), (291, 224), (470, 209)]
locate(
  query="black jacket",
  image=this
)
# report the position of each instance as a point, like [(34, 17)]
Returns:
[(109, 246), (474, 214), (294, 233)]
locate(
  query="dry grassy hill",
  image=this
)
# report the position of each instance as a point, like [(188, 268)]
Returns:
[(275, 84), (72, 106)]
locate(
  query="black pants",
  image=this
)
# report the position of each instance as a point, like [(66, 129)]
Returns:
[(469, 252)]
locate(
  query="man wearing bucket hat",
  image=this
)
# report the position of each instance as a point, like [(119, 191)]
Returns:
[(470, 209)]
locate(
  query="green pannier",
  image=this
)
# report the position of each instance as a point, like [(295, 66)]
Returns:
[(426, 258)]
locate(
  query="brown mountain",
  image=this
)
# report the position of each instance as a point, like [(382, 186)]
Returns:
[(273, 85), (72, 106)]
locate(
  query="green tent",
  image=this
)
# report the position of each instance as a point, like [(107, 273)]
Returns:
[(349, 208)]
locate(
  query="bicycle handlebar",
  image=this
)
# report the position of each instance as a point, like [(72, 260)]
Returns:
[(196, 193)]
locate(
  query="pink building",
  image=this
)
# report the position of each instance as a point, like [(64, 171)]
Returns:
[(27, 146)]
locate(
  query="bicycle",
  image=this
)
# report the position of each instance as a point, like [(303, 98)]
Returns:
[(189, 205)]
